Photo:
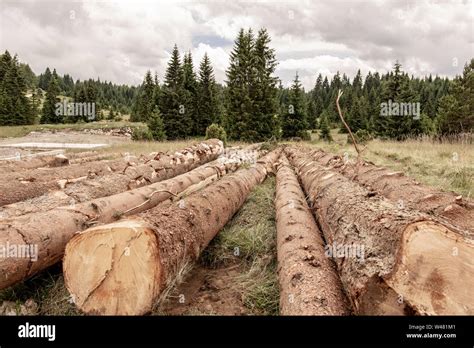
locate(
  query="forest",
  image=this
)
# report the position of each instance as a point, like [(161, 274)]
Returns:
[(252, 104)]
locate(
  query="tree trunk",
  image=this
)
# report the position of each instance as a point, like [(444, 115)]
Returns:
[(51, 230), (391, 260), (108, 181), (122, 268), (393, 185), (309, 283)]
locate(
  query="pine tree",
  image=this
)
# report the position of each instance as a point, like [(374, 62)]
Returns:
[(263, 123), (456, 110), (156, 126), (189, 93), (145, 100), (49, 114), (208, 106), (15, 106), (294, 121), (173, 99), (240, 75), (325, 130)]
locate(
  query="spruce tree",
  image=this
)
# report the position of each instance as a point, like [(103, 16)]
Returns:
[(240, 75), (264, 121), (294, 121), (48, 114), (172, 101), (156, 126), (189, 93), (145, 100), (208, 106), (325, 130)]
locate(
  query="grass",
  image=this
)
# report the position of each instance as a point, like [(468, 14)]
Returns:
[(250, 239), (445, 166)]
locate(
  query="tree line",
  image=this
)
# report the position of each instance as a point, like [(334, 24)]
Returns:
[(252, 105), (27, 99)]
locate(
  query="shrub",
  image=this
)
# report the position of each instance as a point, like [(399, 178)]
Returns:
[(361, 136), (304, 135), (142, 133), (214, 131)]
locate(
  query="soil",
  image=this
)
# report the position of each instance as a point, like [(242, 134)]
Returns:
[(208, 291)]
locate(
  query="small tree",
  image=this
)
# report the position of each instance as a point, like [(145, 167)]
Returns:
[(214, 131), (324, 127), (156, 126)]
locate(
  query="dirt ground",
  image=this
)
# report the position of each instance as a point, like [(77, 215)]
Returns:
[(208, 291)]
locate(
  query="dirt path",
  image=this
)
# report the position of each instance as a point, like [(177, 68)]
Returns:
[(208, 291)]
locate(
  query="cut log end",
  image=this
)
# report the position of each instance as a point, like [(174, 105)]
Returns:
[(119, 268), (433, 276)]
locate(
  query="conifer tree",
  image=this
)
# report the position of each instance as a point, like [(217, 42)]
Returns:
[(208, 106), (156, 126), (49, 114), (294, 121)]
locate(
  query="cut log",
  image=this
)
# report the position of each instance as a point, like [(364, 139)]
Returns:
[(404, 190), (110, 180), (122, 268), (84, 189), (51, 230), (391, 260), (309, 283)]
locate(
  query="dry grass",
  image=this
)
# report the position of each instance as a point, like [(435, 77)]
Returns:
[(20, 131), (446, 166)]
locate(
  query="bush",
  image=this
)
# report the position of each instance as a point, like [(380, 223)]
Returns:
[(142, 133), (304, 135), (214, 131), (361, 136)]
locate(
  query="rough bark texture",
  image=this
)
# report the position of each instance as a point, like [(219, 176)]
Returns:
[(309, 283), (106, 181), (391, 260), (51, 230), (122, 268), (404, 190)]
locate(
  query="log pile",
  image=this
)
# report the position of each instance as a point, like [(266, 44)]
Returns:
[(121, 268), (393, 260)]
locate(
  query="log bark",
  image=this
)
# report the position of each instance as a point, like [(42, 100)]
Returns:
[(391, 260), (309, 283), (122, 268), (111, 177), (448, 206), (84, 189), (51, 230)]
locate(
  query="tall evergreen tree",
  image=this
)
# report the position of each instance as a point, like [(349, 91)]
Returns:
[(456, 111), (173, 99), (189, 93), (294, 121), (49, 114), (208, 106), (240, 75), (263, 92), (146, 100)]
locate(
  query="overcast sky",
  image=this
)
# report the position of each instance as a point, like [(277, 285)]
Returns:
[(120, 40)]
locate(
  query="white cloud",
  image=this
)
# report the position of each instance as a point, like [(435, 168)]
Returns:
[(120, 40)]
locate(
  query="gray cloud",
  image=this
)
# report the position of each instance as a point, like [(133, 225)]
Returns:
[(119, 41)]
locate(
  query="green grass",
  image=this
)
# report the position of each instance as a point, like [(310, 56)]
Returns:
[(250, 239)]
